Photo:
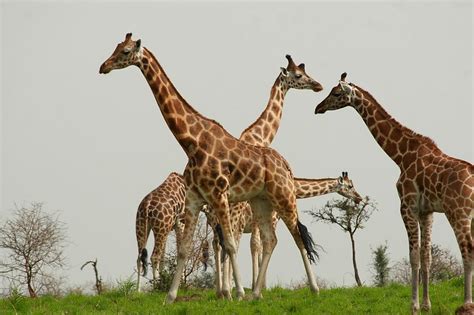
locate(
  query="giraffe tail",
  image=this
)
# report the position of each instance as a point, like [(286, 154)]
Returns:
[(220, 235), (143, 260), (308, 242)]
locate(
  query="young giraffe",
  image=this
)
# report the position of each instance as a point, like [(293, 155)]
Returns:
[(221, 169), (430, 181), (160, 211), (261, 131), (304, 188)]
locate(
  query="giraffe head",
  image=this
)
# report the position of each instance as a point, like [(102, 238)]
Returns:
[(296, 77), (128, 52), (341, 95), (345, 187)]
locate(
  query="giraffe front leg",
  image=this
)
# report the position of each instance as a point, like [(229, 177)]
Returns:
[(412, 228), (193, 204), (426, 225)]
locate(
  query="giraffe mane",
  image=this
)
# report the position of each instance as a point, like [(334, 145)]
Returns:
[(405, 130), (262, 113), (315, 179), (182, 99)]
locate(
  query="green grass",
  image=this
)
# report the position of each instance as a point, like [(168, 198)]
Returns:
[(394, 299)]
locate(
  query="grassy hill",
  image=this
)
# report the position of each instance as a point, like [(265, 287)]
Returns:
[(393, 299)]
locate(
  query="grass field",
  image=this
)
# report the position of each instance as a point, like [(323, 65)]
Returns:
[(393, 299)]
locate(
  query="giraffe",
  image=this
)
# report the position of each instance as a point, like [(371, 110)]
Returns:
[(261, 131), (430, 181), (304, 188), (220, 170), (160, 211)]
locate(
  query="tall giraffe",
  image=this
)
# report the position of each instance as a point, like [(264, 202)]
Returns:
[(304, 188), (161, 220), (430, 181), (221, 169)]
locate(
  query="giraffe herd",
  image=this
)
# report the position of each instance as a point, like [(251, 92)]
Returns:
[(244, 186)]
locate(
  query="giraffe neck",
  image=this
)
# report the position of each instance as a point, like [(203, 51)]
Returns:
[(306, 188), (263, 130), (394, 138), (184, 121)]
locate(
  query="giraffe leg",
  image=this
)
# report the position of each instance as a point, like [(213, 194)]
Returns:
[(218, 264), (193, 204), (226, 289), (255, 250), (156, 256), (461, 222), (426, 224), (263, 216), (221, 208), (237, 236), (412, 228), (142, 231)]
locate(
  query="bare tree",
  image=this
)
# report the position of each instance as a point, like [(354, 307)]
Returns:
[(34, 241), (98, 279), (350, 217), (444, 266)]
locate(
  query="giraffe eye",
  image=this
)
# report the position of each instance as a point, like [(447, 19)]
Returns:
[(336, 94), (298, 76), (126, 52)]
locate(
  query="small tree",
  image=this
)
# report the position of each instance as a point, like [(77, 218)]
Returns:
[(350, 217), (380, 265), (35, 243)]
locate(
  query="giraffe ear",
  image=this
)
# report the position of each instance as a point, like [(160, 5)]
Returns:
[(138, 44), (301, 66), (340, 180), (284, 72)]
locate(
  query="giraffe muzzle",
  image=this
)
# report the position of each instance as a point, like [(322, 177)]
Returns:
[(317, 87), (319, 109), (103, 69)]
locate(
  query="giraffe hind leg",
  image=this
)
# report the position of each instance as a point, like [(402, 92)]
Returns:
[(263, 216), (462, 225)]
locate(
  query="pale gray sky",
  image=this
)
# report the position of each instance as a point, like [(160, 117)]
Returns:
[(93, 146)]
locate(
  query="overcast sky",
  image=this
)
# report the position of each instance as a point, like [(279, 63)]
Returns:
[(92, 146)]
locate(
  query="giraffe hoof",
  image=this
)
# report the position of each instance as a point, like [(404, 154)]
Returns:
[(240, 295), (426, 306), (257, 296), (219, 295), (415, 309), (169, 299), (315, 290), (227, 295)]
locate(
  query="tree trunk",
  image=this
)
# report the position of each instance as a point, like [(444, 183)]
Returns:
[(354, 263), (31, 291)]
